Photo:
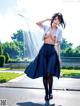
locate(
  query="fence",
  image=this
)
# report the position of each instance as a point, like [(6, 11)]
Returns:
[(66, 61), (70, 61)]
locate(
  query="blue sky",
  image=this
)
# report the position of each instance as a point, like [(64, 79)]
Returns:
[(37, 10)]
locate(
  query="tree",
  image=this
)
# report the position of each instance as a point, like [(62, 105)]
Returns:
[(65, 44), (18, 36), (11, 49), (19, 42), (1, 51), (6, 57), (77, 51), (66, 48)]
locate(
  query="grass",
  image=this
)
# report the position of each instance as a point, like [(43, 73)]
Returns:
[(4, 69), (6, 76), (70, 73)]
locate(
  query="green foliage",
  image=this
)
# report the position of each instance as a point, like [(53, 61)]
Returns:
[(65, 44), (6, 57), (2, 60), (71, 67), (6, 76), (12, 49), (18, 36), (77, 51), (70, 73), (1, 51), (68, 51), (15, 49), (20, 48), (19, 42)]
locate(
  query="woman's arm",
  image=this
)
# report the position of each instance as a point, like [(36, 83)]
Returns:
[(40, 23), (58, 49), (58, 44)]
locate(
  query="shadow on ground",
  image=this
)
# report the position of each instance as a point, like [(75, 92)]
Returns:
[(35, 104)]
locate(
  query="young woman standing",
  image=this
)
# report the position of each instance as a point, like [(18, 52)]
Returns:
[(47, 62)]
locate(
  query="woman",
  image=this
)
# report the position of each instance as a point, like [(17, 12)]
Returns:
[(47, 63)]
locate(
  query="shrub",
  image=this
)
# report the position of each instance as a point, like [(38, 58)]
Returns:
[(6, 57), (2, 60), (71, 67)]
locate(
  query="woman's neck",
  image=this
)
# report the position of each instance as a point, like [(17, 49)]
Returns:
[(54, 28)]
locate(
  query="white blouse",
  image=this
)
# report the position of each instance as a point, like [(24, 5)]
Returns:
[(58, 32)]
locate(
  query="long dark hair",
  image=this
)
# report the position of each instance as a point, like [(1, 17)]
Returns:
[(60, 17)]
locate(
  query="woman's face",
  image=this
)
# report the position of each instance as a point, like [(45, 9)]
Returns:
[(56, 22)]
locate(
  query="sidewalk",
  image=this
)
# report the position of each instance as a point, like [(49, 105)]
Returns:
[(59, 84), (24, 91)]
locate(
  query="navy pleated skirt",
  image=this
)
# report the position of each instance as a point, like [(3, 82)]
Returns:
[(45, 62)]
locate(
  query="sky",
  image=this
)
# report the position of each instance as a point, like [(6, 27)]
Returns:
[(37, 10)]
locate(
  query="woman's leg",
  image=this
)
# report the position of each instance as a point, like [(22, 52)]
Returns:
[(45, 82), (51, 69), (50, 79)]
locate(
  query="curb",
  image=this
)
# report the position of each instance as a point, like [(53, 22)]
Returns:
[(13, 80), (17, 79)]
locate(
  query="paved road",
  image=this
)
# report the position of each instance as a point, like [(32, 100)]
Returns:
[(61, 84), (24, 91), (33, 97)]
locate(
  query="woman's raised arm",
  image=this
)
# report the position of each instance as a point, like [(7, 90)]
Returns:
[(40, 23)]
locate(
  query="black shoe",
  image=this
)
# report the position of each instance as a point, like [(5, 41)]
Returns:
[(50, 96), (46, 98)]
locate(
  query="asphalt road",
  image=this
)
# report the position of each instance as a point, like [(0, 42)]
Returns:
[(24, 91)]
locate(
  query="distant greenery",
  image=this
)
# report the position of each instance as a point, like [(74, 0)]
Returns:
[(6, 76), (67, 49), (15, 49), (71, 67), (1, 50), (70, 73), (11, 69), (3, 69)]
